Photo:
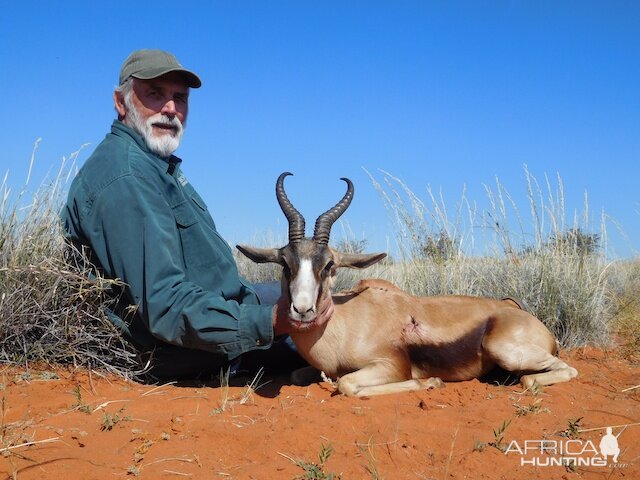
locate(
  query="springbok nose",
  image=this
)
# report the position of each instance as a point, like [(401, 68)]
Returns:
[(303, 312)]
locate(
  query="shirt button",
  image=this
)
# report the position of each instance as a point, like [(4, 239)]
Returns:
[(259, 343)]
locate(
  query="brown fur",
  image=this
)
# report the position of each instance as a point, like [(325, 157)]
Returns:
[(382, 340)]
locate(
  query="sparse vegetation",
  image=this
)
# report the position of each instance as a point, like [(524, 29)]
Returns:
[(316, 471), (223, 379), (80, 404), (534, 408), (245, 396), (372, 463), (573, 428), (498, 438), (110, 420)]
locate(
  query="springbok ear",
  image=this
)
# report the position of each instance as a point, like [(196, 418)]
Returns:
[(261, 255), (358, 260)]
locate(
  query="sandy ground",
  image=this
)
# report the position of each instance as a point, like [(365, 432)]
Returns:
[(81, 425)]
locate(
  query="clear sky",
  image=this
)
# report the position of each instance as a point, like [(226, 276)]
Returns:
[(445, 94)]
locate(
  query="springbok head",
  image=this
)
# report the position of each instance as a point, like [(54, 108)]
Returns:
[(309, 264)]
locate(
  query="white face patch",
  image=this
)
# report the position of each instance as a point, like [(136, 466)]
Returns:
[(304, 292)]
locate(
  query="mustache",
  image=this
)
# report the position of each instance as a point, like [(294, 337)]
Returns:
[(165, 120)]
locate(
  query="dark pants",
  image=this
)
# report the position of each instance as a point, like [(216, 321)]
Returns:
[(169, 362)]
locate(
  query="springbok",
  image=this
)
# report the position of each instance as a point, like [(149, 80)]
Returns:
[(382, 340)]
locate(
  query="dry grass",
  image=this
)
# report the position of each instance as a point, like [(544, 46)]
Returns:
[(53, 306), (626, 321)]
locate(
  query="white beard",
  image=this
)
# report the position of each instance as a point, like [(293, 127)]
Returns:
[(162, 145)]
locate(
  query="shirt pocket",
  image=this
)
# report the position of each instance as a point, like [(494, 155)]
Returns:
[(202, 211), (196, 250), (184, 215)]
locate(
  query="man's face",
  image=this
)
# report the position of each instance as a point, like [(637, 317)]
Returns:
[(157, 109)]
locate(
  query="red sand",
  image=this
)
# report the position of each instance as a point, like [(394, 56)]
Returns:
[(119, 429)]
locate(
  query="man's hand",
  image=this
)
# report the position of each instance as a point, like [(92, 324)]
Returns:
[(281, 323), (325, 311)]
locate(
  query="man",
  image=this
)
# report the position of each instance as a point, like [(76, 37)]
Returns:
[(609, 445), (144, 223)]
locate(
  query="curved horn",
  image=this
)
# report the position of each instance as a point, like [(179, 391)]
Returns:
[(296, 220), (328, 218)]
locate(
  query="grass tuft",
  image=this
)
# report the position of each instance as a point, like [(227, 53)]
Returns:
[(52, 305), (315, 470)]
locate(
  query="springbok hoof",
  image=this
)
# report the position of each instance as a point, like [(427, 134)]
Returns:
[(433, 382)]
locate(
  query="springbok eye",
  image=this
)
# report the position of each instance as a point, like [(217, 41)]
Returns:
[(329, 266), (286, 270)]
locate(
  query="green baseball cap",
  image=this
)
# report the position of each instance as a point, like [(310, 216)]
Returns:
[(147, 64)]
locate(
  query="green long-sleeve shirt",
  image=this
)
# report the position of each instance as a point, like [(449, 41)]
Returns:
[(146, 225)]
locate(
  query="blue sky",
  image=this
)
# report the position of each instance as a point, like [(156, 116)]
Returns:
[(440, 94)]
